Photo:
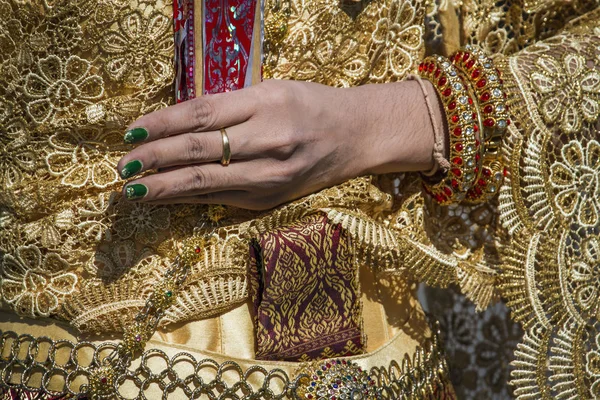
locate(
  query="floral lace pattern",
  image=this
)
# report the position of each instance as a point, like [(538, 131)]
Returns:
[(576, 181), (58, 86), (73, 249), (549, 272), (325, 44), (568, 79), (35, 285), (479, 345)]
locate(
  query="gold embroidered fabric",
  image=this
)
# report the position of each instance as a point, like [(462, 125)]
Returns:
[(550, 205), (73, 74)]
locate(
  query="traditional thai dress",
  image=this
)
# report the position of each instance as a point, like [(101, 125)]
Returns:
[(317, 298)]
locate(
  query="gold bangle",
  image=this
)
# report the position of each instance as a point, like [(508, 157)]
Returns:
[(226, 157), (486, 82), (463, 131)]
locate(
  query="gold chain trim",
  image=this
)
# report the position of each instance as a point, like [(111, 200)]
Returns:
[(25, 358)]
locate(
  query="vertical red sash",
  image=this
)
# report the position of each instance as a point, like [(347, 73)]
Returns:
[(227, 48)]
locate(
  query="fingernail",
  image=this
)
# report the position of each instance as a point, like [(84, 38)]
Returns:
[(135, 135), (131, 168), (136, 191)]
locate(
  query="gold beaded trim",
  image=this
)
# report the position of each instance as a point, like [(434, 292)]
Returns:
[(486, 82), (463, 128), (102, 377)]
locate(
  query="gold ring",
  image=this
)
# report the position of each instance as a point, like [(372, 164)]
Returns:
[(226, 158)]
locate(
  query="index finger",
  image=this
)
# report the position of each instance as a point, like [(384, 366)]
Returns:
[(205, 113)]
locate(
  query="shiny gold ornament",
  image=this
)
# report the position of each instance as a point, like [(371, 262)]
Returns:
[(135, 337), (101, 382), (165, 293), (337, 379), (193, 251)]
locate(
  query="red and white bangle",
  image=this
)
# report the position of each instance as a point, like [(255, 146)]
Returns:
[(484, 79), (463, 128)]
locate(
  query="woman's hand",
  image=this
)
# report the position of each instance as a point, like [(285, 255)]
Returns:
[(288, 139)]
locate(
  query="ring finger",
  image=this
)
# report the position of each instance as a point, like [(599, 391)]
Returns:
[(184, 149)]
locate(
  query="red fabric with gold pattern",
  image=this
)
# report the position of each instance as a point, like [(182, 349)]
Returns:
[(308, 304)]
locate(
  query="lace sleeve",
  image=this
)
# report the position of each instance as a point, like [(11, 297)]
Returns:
[(550, 207)]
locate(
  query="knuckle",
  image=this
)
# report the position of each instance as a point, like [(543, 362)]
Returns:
[(283, 174), (195, 148), (199, 178), (203, 113), (285, 144), (278, 94)]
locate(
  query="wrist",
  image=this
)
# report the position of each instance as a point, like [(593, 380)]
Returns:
[(396, 126)]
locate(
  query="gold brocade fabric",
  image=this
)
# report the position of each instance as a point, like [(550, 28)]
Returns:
[(74, 73)]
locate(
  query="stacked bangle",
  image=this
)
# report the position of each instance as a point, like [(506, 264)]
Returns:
[(461, 117), (486, 83)]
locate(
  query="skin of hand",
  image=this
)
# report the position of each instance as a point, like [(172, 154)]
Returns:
[(287, 138)]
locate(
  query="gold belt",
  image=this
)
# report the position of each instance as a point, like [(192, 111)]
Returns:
[(42, 367)]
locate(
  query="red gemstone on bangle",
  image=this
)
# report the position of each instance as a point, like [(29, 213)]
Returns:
[(454, 118), (477, 157), (447, 92), (457, 131), (452, 105), (475, 74), (458, 147), (104, 380), (448, 191), (481, 83), (470, 101), (456, 171), (507, 122), (485, 97), (505, 171), (487, 172), (455, 184), (421, 67), (488, 109), (438, 72), (442, 81), (431, 67), (489, 122), (476, 128), (457, 160), (470, 64), (478, 191), (466, 57), (474, 116), (477, 143), (481, 182)]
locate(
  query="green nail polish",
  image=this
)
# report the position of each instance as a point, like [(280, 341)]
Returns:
[(131, 168), (135, 135), (136, 191)]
